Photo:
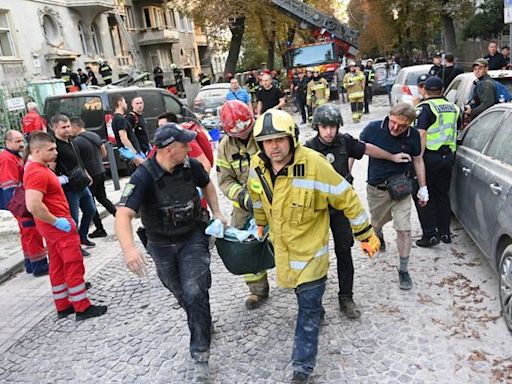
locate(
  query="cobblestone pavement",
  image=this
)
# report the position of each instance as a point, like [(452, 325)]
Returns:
[(447, 329)]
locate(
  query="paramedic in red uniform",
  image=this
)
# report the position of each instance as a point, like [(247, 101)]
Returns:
[(11, 176), (32, 121), (45, 199)]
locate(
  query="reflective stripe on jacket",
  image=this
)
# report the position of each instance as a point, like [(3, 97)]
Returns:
[(444, 130), (354, 84), (298, 216), (233, 158), (320, 90)]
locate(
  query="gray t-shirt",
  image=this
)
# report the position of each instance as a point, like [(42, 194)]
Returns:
[(89, 144)]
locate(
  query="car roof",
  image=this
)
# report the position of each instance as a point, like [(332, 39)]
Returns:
[(495, 74), (95, 92), (414, 68), (216, 86)]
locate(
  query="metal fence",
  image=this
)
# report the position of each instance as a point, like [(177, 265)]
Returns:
[(12, 108)]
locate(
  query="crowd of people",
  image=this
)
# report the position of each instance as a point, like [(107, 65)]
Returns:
[(80, 80), (296, 192)]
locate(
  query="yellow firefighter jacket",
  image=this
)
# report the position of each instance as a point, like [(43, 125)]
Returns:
[(298, 216), (318, 92), (233, 158), (354, 84)]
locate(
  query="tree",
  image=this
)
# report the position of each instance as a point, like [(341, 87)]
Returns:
[(486, 24)]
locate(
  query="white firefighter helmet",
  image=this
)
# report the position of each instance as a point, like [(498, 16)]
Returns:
[(63, 69)]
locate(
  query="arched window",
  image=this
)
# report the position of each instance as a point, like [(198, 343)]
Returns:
[(82, 38), (96, 38)]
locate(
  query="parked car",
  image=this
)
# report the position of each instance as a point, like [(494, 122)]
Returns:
[(481, 192), (460, 89), (406, 83), (379, 85), (96, 110), (207, 103)]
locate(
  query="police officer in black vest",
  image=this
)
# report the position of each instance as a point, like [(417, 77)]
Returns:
[(164, 189), (341, 149)]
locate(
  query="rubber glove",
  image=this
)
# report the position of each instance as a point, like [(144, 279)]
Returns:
[(62, 224), (371, 245), (63, 179), (142, 155), (423, 194), (126, 153)]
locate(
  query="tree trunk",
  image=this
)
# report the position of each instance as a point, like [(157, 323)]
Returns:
[(271, 49), (237, 28), (450, 42)]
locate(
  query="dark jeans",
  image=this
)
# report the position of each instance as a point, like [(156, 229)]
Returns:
[(367, 99), (305, 344), (184, 269), (301, 106), (436, 215), (343, 241), (85, 202), (99, 193), (388, 91)]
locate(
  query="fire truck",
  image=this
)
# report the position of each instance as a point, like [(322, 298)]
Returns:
[(335, 41)]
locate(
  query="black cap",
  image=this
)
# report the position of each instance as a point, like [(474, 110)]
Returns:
[(433, 83), (171, 132), (422, 79), (437, 54)]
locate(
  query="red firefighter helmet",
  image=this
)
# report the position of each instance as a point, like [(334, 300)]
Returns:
[(229, 76), (237, 119)]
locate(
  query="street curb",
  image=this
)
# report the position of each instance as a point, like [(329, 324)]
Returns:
[(12, 271)]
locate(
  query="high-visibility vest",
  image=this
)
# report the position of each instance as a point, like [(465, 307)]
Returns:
[(444, 130)]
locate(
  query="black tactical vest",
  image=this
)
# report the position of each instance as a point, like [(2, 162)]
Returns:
[(336, 153), (175, 209)]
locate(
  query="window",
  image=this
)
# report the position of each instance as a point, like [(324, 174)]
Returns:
[(96, 39), (182, 21), (51, 30), (171, 105), (153, 17), (500, 147), (82, 38), (89, 109), (171, 19), (147, 17), (189, 24), (482, 131), (130, 19), (6, 42)]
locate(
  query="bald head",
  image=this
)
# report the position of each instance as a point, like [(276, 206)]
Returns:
[(14, 141), (31, 106)]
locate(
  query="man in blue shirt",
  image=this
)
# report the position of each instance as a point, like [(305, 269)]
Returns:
[(394, 134), (238, 93)]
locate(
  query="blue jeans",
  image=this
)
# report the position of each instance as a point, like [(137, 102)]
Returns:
[(305, 344), (184, 269), (83, 200)]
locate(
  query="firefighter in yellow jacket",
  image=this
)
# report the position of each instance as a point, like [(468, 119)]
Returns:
[(354, 82), (233, 157), (292, 188), (318, 92)]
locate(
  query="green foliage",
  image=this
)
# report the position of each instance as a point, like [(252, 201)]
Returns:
[(486, 24)]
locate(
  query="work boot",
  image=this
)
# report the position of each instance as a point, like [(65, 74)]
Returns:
[(427, 241), (299, 378), (254, 301), (87, 243), (404, 280), (201, 372), (66, 312), (40, 267), (98, 233), (91, 311), (349, 308), (28, 266), (259, 292), (380, 235)]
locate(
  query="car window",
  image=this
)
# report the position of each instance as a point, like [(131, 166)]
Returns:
[(213, 93), (88, 108), (172, 105), (412, 78), (507, 82), (153, 103), (451, 92), (481, 131), (500, 146)]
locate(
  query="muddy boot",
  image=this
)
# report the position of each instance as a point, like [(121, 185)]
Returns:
[(349, 308), (259, 292)]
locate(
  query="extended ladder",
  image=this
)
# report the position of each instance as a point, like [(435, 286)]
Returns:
[(128, 39), (306, 13)]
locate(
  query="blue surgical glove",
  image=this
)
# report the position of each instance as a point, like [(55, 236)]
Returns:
[(126, 154), (63, 179), (62, 224), (142, 155)]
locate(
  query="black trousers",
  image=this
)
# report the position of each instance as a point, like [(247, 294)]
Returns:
[(301, 105), (98, 191), (343, 241), (436, 215), (367, 99)]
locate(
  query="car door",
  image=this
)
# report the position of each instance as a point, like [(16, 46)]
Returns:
[(492, 181), (464, 197), (451, 91)]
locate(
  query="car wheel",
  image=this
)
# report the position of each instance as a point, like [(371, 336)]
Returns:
[(505, 285)]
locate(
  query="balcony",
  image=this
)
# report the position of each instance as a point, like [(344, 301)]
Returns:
[(158, 35), (103, 5)]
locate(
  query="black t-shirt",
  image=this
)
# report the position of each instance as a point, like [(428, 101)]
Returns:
[(119, 123), (269, 97), (90, 152), (83, 78), (497, 61), (447, 74), (139, 126), (140, 189), (92, 76)]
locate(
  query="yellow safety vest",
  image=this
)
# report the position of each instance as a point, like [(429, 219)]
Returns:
[(444, 130)]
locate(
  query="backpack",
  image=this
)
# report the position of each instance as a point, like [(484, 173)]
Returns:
[(501, 90)]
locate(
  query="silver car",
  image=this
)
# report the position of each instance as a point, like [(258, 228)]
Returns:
[(481, 192)]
